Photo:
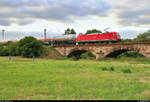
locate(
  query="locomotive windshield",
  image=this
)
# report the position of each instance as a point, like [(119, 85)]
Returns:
[(118, 34), (106, 32)]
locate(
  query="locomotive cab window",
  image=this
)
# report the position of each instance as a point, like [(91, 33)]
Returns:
[(118, 34)]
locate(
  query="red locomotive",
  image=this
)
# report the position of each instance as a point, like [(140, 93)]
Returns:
[(98, 38)]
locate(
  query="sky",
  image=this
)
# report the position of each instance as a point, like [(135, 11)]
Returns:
[(21, 18)]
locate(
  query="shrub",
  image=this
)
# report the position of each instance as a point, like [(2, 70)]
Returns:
[(111, 69), (73, 58), (126, 71), (131, 54), (87, 55), (45, 51), (51, 48), (108, 69), (104, 68)]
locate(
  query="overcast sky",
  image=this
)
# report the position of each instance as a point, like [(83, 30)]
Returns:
[(22, 18)]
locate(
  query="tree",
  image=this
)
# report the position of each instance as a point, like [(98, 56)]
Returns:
[(13, 48), (69, 31), (72, 31), (88, 32), (29, 47), (93, 31), (1, 50), (10, 48), (145, 37), (4, 51), (127, 40)]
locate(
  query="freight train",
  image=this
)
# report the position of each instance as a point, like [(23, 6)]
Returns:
[(92, 38)]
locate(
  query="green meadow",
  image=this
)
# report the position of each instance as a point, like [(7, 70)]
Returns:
[(50, 79)]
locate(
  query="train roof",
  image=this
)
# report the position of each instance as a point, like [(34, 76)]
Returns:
[(64, 36), (99, 33)]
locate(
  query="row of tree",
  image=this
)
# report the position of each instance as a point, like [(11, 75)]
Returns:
[(72, 31), (26, 47), (69, 31), (143, 37)]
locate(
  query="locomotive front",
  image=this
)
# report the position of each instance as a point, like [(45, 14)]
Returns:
[(98, 38)]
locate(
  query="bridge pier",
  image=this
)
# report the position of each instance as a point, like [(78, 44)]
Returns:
[(99, 56), (145, 52)]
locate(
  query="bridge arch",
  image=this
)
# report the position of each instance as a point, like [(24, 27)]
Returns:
[(77, 52), (117, 52)]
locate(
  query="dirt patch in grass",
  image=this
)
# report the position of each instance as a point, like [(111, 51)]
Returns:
[(145, 79), (148, 71), (142, 65), (87, 76), (146, 93), (37, 96), (19, 96)]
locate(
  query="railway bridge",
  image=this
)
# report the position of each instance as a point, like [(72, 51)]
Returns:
[(104, 50)]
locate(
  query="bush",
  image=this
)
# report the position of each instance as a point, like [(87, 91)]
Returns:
[(87, 55), (29, 47), (51, 48), (44, 51), (73, 58), (104, 69), (111, 69), (108, 69), (126, 71), (133, 54)]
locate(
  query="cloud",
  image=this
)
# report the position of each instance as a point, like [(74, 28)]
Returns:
[(23, 12), (57, 10), (5, 22), (132, 12), (17, 35), (24, 21)]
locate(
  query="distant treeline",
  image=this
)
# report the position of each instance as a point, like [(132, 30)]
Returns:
[(144, 37)]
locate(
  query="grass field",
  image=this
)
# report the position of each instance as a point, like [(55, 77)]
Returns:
[(22, 79)]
